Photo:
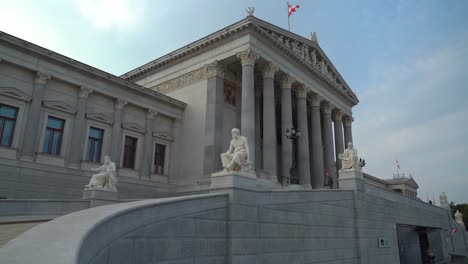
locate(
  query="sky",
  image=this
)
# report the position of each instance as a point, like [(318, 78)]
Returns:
[(407, 61)]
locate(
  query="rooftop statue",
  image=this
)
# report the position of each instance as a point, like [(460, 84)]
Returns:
[(458, 217), (106, 177), (349, 159), (236, 157), (443, 202)]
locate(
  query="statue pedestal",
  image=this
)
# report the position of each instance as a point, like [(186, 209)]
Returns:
[(100, 197), (351, 180), (240, 180)]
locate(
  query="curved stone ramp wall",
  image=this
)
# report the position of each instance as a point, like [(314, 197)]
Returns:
[(189, 228)]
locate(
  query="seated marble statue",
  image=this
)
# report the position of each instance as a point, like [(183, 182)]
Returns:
[(458, 217), (105, 179), (236, 157), (443, 201), (349, 159)]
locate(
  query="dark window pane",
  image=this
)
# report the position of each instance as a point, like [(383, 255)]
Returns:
[(8, 111), (57, 140), (97, 151), (159, 156), (129, 152), (7, 135), (56, 123), (88, 150), (46, 141), (95, 133)]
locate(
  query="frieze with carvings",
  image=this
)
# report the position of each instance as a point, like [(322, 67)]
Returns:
[(181, 81)]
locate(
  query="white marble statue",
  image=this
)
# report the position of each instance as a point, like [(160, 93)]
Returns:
[(349, 159), (236, 157), (105, 179), (459, 218), (443, 201)]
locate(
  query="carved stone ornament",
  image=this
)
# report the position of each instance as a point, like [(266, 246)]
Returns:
[(105, 179), (302, 91), (348, 120), (15, 93), (286, 81), (163, 135), (150, 113), (42, 78), (84, 92), (236, 158), (250, 10), (215, 69), (337, 114), (327, 107), (247, 57), (349, 159), (315, 99), (134, 127), (100, 117), (60, 106), (268, 70), (120, 103), (181, 81)]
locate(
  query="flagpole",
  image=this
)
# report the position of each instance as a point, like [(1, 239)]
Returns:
[(289, 26)]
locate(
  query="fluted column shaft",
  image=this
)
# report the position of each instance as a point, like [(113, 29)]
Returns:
[(148, 145), (116, 139), (31, 134), (269, 120), (339, 139), (348, 134), (303, 162), (327, 134), (286, 123), (79, 126), (248, 58), (317, 166)]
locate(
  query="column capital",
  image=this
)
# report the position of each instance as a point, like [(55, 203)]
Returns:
[(247, 57), (286, 81), (120, 103), (315, 99), (348, 120), (150, 113), (268, 70), (42, 78), (337, 114), (215, 68), (327, 107), (302, 91), (84, 92)]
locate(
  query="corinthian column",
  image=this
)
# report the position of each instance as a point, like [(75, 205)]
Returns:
[(348, 134), (148, 144), (35, 110), (327, 133), (316, 142), (339, 144), (286, 123), (248, 58), (303, 161), (78, 133), (269, 120), (116, 140)]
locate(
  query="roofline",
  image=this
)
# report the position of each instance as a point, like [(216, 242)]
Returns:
[(21, 43)]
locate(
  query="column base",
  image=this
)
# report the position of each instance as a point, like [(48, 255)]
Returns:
[(100, 197), (351, 180)]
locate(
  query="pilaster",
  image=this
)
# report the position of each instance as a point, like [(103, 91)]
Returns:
[(116, 140)]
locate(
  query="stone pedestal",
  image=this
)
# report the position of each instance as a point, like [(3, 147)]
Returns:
[(100, 197), (351, 180), (240, 180)]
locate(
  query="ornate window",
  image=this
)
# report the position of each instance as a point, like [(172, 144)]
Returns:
[(159, 158), (8, 116), (129, 154), (53, 136), (93, 153)]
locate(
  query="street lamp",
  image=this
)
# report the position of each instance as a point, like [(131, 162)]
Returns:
[(293, 135)]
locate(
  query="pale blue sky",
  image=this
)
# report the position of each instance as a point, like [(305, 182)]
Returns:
[(406, 60)]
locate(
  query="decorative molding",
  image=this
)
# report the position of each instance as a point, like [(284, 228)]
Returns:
[(15, 93), (302, 91), (348, 120), (120, 103), (84, 92), (247, 57), (326, 107), (181, 81), (286, 81), (337, 115), (315, 99), (42, 78), (60, 106), (150, 113), (268, 70), (100, 117), (163, 135), (215, 69), (134, 127)]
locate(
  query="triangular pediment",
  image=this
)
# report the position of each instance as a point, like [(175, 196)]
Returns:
[(100, 117), (134, 127), (15, 93), (163, 135), (60, 106)]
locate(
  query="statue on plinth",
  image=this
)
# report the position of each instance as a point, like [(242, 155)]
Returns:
[(459, 218), (236, 157), (443, 201), (349, 159), (105, 179)]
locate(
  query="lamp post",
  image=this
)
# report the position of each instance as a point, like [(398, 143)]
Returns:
[(293, 135)]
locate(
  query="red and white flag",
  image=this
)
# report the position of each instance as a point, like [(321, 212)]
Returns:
[(292, 9), (452, 232)]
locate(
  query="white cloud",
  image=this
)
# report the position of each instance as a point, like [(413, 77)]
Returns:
[(119, 14)]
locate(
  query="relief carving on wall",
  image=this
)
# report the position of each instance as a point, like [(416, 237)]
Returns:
[(230, 94)]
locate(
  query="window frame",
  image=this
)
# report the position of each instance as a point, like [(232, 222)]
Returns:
[(155, 169), (135, 149), (54, 130), (93, 140), (2, 125)]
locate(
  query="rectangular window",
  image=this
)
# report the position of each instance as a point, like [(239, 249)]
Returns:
[(159, 156), (129, 152), (53, 136), (93, 152), (7, 124)]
